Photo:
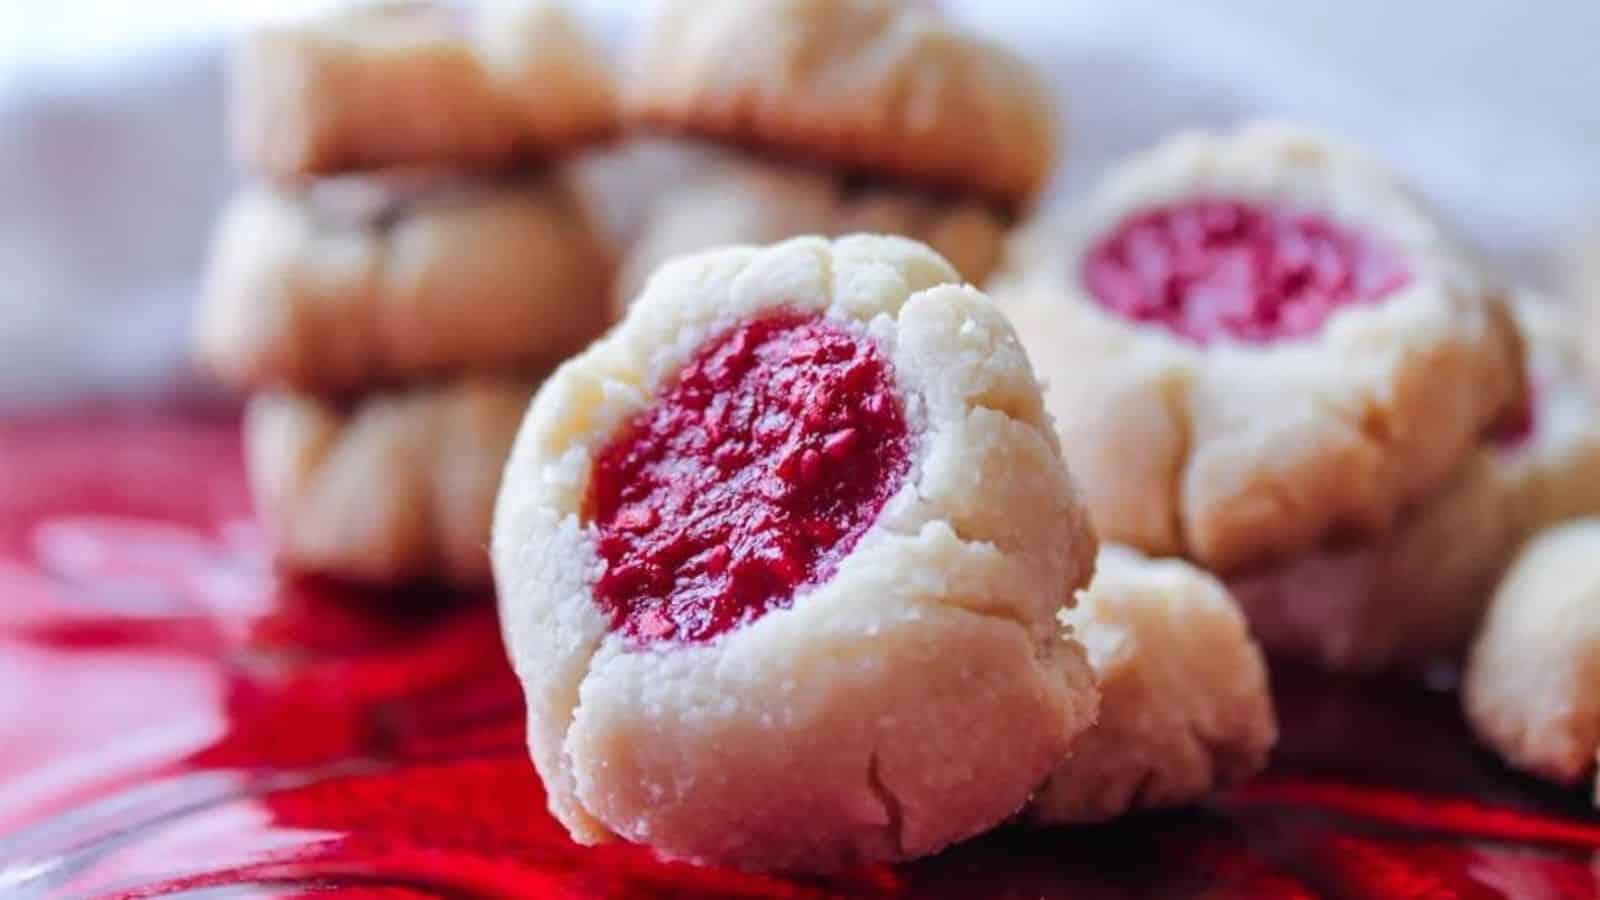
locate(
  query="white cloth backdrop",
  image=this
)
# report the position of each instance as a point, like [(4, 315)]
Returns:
[(111, 160)]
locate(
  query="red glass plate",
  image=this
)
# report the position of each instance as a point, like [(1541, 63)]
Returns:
[(175, 721)]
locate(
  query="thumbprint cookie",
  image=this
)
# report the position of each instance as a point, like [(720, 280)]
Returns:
[(1257, 342), (780, 560)]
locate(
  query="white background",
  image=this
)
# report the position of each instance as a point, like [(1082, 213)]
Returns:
[(111, 162)]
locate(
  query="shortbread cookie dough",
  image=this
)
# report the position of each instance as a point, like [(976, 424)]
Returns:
[(1419, 590), (358, 281), (1185, 706), (396, 487), (749, 202), (879, 86), (1257, 342), (1532, 684), (413, 82), (780, 560)]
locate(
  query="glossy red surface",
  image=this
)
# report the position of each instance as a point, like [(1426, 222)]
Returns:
[(748, 479), (176, 722), (1211, 267)]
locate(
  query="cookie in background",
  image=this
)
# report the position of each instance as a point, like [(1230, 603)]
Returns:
[(1532, 683), (1185, 707), (396, 488), (1257, 342), (742, 200), (1265, 355), (360, 280), (399, 83), (1418, 591), (410, 261), (837, 117)]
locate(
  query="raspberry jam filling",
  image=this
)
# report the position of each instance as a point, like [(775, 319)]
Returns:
[(1211, 268), (748, 479)]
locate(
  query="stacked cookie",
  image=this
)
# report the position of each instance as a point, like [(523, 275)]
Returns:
[(1265, 356), (838, 116), (403, 271)]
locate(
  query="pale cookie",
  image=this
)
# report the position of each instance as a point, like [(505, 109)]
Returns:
[(879, 86), (1257, 342), (397, 487), (1419, 590), (1532, 684), (412, 83), (356, 282), (1185, 707), (749, 202), (780, 560)]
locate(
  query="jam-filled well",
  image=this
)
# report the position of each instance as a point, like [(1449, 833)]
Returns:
[(747, 480), (1210, 268)]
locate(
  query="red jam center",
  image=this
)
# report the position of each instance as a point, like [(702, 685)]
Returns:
[(1213, 268), (748, 480)]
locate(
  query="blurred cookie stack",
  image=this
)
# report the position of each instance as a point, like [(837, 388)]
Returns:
[(406, 266), (834, 116)]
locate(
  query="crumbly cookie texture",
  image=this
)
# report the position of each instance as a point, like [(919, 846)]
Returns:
[(915, 697), (355, 282), (1185, 707), (1237, 453), (416, 82), (1419, 590), (882, 86), (398, 487), (743, 201), (1532, 683)]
